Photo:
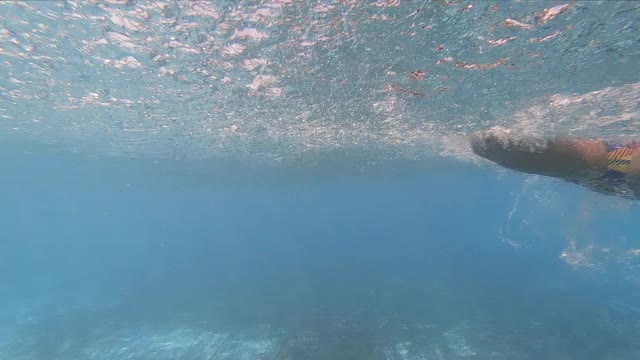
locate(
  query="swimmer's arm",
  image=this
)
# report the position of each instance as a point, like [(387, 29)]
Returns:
[(563, 158)]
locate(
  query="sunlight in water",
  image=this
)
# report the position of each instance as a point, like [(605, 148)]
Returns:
[(289, 81)]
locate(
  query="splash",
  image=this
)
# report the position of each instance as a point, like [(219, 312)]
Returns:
[(285, 81)]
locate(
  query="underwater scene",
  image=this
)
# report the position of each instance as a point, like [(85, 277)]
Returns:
[(326, 179)]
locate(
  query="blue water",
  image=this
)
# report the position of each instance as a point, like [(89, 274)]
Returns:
[(352, 262), (240, 180)]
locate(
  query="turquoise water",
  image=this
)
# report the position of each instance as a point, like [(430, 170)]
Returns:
[(277, 180)]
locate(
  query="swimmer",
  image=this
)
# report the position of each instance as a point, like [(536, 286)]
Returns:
[(607, 167)]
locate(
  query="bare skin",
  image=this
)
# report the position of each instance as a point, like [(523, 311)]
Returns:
[(582, 161)]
